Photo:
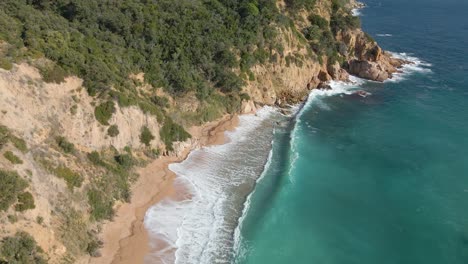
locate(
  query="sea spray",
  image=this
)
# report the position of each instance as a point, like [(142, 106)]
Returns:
[(415, 65), (199, 227)]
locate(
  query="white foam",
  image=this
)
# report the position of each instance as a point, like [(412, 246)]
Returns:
[(384, 35), (356, 12), (315, 96), (237, 231), (195, 226), (416, 65)]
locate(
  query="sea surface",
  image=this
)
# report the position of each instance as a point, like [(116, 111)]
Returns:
[(381, 179)]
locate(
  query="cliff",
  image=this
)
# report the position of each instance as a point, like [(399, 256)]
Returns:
[(77, 151)]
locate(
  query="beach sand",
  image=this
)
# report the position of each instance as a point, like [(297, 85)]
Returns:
[(126, 240)]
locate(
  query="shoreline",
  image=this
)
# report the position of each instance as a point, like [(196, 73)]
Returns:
[(126, 240)]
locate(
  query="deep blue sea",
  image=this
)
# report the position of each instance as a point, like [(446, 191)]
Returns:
[(382, 179)]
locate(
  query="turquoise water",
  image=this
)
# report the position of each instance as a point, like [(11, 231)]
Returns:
[(382, 179)]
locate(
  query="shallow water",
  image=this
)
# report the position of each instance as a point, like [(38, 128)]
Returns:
[(200, 227), (382, 179)]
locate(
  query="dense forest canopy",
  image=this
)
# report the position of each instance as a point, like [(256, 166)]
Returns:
[(199, 46), (183, 45), (180, 45)]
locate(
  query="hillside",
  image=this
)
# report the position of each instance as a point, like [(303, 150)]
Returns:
[(90, 90)]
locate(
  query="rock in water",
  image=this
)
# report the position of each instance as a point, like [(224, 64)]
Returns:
[(368, 70)]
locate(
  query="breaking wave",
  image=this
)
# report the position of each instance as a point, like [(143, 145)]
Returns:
[(199, 227)]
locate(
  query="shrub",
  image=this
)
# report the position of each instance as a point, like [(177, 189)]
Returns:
[(171, 132), (149, 108), (40, 219), (101, 204), (125, 160), (95, 158), (74, 233), (25, 202), (19, 143), (104, 112), (10, 185), (21, 248), (6, 136), (93, 245), (65, 145), (126, 100), (153, 153), (53, 74), (72, 178), (74, 109), (160, 101), (4, 133), (146, 136), (12, 218), (244, 97), (319, 21), (12, 157), (341, 22), (369, 37), (6, 64), (113, 131)]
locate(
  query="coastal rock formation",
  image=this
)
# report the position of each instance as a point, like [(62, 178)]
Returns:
[(365, 58), (337, 72), (368, 70)]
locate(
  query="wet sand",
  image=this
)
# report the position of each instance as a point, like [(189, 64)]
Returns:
[(126, 240)]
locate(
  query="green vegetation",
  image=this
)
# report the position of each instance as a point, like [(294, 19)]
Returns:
[(160, 101), (295, 5), (74, 109), (6, 64), (6, 135), (340, 21), (11, 186), (74, 233), (125, 160), (53, 73), (113, 131), (12, 157), (101, 205), (171, 132), (95, 158), (104, 42), (25, 202), (21, 249), (12, 219), (104, 112), (73, 179), (146, 136), (65, 145), (19, 143), (113, 185)]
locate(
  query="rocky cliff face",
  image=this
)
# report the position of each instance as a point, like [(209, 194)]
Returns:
[(281, 82), (42, 110), (365, 58)]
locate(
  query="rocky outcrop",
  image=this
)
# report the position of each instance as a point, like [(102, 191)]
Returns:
[(368, 70), (337, 72), (365, 58)]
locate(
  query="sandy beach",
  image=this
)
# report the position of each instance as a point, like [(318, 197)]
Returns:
[(125, 238)]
